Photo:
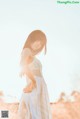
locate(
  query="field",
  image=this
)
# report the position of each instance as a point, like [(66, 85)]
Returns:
[(64, 108)]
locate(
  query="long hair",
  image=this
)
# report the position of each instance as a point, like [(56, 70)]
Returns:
[(36, 35)]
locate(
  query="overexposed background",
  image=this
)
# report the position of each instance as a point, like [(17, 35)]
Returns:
[(61, 24)]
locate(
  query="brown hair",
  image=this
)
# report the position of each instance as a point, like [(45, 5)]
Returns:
[(34, 36)]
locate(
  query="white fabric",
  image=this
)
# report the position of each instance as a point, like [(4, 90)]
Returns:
[(35, 105)]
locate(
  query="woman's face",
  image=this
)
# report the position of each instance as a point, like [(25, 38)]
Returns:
[(36, 45)]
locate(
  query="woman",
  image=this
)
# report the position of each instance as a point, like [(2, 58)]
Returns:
[(34, 103)]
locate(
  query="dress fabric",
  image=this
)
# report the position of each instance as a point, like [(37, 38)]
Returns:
[(36, 104)]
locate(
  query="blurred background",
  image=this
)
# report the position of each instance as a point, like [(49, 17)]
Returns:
[(61, 64)]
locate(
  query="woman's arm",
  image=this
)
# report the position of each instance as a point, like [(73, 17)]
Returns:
[(32, 85), (30, 75)]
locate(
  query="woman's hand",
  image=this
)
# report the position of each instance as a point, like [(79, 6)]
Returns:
[(29, 88)]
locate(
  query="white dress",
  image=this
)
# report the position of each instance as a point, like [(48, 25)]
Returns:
[(36, 104)]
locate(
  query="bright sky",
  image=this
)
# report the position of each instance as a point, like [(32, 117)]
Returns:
[(61, 24)]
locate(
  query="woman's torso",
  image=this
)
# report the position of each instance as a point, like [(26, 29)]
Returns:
[(35, 67)]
